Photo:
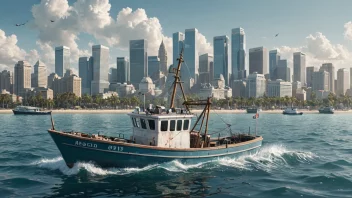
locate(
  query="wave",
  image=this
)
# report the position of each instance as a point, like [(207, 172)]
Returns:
[(267, 158)]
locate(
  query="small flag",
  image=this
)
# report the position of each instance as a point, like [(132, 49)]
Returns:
[(256, 116)]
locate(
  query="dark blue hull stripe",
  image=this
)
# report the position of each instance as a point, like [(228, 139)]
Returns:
[(165, 156)]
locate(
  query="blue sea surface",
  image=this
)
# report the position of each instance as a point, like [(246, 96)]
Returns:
[(301, 156)]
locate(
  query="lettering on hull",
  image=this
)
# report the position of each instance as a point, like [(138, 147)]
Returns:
[(85, 144)]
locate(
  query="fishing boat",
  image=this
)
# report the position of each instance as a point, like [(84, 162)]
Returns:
[(159, 134), (291, 111), (327, 110), (252, 110), (28, 110)]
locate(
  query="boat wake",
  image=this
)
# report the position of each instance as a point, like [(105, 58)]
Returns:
[(268, 158)]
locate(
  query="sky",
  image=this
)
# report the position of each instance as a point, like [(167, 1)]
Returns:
[(320, 28)]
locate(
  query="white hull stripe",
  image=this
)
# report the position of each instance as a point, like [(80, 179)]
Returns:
[(165, 156)]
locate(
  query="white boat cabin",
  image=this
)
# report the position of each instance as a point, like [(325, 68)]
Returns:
[(162, 128)]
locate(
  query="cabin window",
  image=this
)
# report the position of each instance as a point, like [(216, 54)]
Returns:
[(133, 122), (143, 124), (185, 125), (172, 125), (151, 124), (179, 125), (137, 122), (163, 126)]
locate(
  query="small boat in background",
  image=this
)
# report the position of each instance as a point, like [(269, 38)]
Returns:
[(327, 110), (291, 111), (28, 110), (252, 110)]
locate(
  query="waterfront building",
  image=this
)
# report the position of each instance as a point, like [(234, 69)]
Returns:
[(274, 58), (123, 70), (329, 67), (177, 45), (70, 83), (153, 66), (40, 75), (85, 70), (221, 59), (238, 54), (299, 67), (205, 61), (216, 89), (258, 60), (239, 88), (62, 60), (321, 94), (282, 71), (301, 94), (190, 57), (343, 81), (100, 81), (255, 85), (138, 60), (162, 55), (295, 85), (146, 86), (6, 81), (309, 72), (320, 80), (279, 88), (22, 77)]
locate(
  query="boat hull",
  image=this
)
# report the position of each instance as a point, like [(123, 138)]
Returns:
[(31, 113), (326, 112), (301, 113), (117, 154)]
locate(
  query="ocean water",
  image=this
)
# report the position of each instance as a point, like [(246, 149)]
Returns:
[(301, 156)]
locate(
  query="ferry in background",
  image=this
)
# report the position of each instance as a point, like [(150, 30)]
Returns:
[(291, 111), (28, 110), (327, 110)]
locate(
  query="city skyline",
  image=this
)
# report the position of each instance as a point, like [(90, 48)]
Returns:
[(319, 43)]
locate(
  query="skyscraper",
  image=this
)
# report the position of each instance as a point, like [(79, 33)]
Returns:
[(238, 53), (6, 81), (274, 57), (255, 85), (329, 67), (310, 71), (190, 67), (138, 61), (177, 44), (22, 79), (62, 60), (153, 67), (85, 70), (258, 60), (221, 59), (205, 61), (123, 70), (100, 69), (299, 67), (162, 55), (282, 71), (320, 80), (343, 81), (40, 74)]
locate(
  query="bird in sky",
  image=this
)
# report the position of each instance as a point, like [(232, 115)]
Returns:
[(21, 24), (277, 35), (52, 21)]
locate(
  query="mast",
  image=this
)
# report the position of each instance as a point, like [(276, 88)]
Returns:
[(177, 81)]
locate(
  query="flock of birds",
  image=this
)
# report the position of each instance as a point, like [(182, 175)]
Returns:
[(21, 24)]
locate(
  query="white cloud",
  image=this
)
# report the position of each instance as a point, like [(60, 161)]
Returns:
[(348, 30), (10, 53)]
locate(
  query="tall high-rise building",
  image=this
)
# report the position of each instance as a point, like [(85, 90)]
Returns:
[(299, 67), (100, 80), (310, 71), (162, 55), (274, 58), (85, 70), (138, 61), (6, 81), (177, 44), (258, 60), (190, 66), (123, 70), (221, 57), (205, 61), (343, 81), (329, 67), (62, 60), (255, 85), (238, 53), (22, 77), (40, 74), (153, 67), (320, 80), (282, 71)]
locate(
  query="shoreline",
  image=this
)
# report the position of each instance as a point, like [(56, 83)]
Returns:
[(125, 111)]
